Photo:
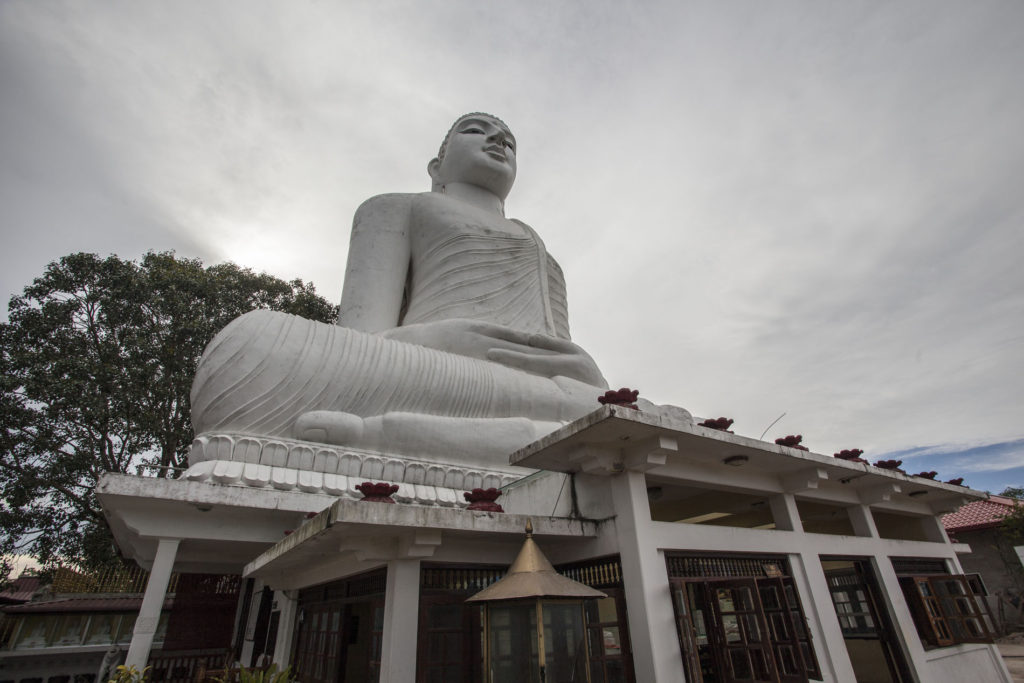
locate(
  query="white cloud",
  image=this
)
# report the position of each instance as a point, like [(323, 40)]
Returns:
[(788, 207)]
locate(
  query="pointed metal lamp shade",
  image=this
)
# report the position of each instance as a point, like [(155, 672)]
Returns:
[(534, 624)]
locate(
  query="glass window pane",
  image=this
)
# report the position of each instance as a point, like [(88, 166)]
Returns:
[(563, 649), (770, 598), (124, 630), (102, 629), (725, 601), (513, 643), (614, 671), (752, 628), (611, 644), (740, 664), (731, 628), (34, 630), (606, 609), (787, 659)]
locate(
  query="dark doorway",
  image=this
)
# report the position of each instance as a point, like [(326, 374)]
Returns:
[(339, 632), (867, 629)]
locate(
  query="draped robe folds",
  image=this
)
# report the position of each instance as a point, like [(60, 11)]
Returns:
[(266, 369)]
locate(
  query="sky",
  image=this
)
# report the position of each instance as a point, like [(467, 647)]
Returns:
[(807, 210)]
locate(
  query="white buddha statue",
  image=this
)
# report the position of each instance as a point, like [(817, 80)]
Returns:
[(453, 338)]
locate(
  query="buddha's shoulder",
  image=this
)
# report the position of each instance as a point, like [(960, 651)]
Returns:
[(387, 202)]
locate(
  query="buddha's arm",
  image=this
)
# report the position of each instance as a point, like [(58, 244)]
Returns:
[(378, 262), (536, 354)]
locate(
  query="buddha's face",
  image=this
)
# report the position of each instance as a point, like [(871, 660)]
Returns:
[(479, 151)]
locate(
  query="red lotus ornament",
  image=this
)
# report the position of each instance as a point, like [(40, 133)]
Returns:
[(721, 424), (483, 499), (851, 455), (625, 397), (792, 441), (376, 492)]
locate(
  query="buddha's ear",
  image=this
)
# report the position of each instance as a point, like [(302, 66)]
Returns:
[(434, 170)]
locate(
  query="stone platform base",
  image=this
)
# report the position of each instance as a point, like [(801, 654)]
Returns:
[(287, 465)]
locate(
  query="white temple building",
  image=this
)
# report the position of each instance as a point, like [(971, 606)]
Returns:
[(722, 559)]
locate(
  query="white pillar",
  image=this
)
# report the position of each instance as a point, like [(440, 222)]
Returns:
[(285, 627), (152, 603), (785, 513), (833, 645), (652, 629), (933, 529), (862, 520), (401, 622), (899, 612)]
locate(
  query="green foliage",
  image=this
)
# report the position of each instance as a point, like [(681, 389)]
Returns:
[(1013, 492), (270, 675), (1012, 527), (96, 365), (129, 674)]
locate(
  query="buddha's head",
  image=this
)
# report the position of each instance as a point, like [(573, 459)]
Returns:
[(479, 149)]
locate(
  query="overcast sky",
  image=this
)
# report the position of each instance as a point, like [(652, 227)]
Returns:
[(809, 208)]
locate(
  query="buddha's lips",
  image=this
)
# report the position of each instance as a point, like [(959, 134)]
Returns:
[(496, 152)]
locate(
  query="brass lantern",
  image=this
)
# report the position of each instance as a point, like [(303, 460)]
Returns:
[(534, 625)]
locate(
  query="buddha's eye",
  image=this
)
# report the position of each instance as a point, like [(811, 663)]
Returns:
[(475, 131), (511, 145)]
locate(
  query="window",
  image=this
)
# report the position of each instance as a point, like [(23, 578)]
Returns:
[(850, 598), (749, 627), (609, 638), (948, 609)]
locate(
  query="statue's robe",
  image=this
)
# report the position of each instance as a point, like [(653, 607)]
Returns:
[(266, 369)]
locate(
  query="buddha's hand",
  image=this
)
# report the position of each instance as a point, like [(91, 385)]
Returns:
[(537, 354)]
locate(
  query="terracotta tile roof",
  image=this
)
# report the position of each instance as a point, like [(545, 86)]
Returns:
[(21, 590), (120, 603), (978, 514)]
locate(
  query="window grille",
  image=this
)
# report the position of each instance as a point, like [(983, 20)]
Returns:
[(595, 573), (918, 566), (725, 566)]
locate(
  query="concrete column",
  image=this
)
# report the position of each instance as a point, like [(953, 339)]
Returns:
[(652, 629), (903, 621), (785, 513), (289, 607), (401, 622), (838, 662), (152, 603), (862, 520), (933, 529)]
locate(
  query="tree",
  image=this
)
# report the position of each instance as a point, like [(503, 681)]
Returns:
[(96, 364), (1013, 492)]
